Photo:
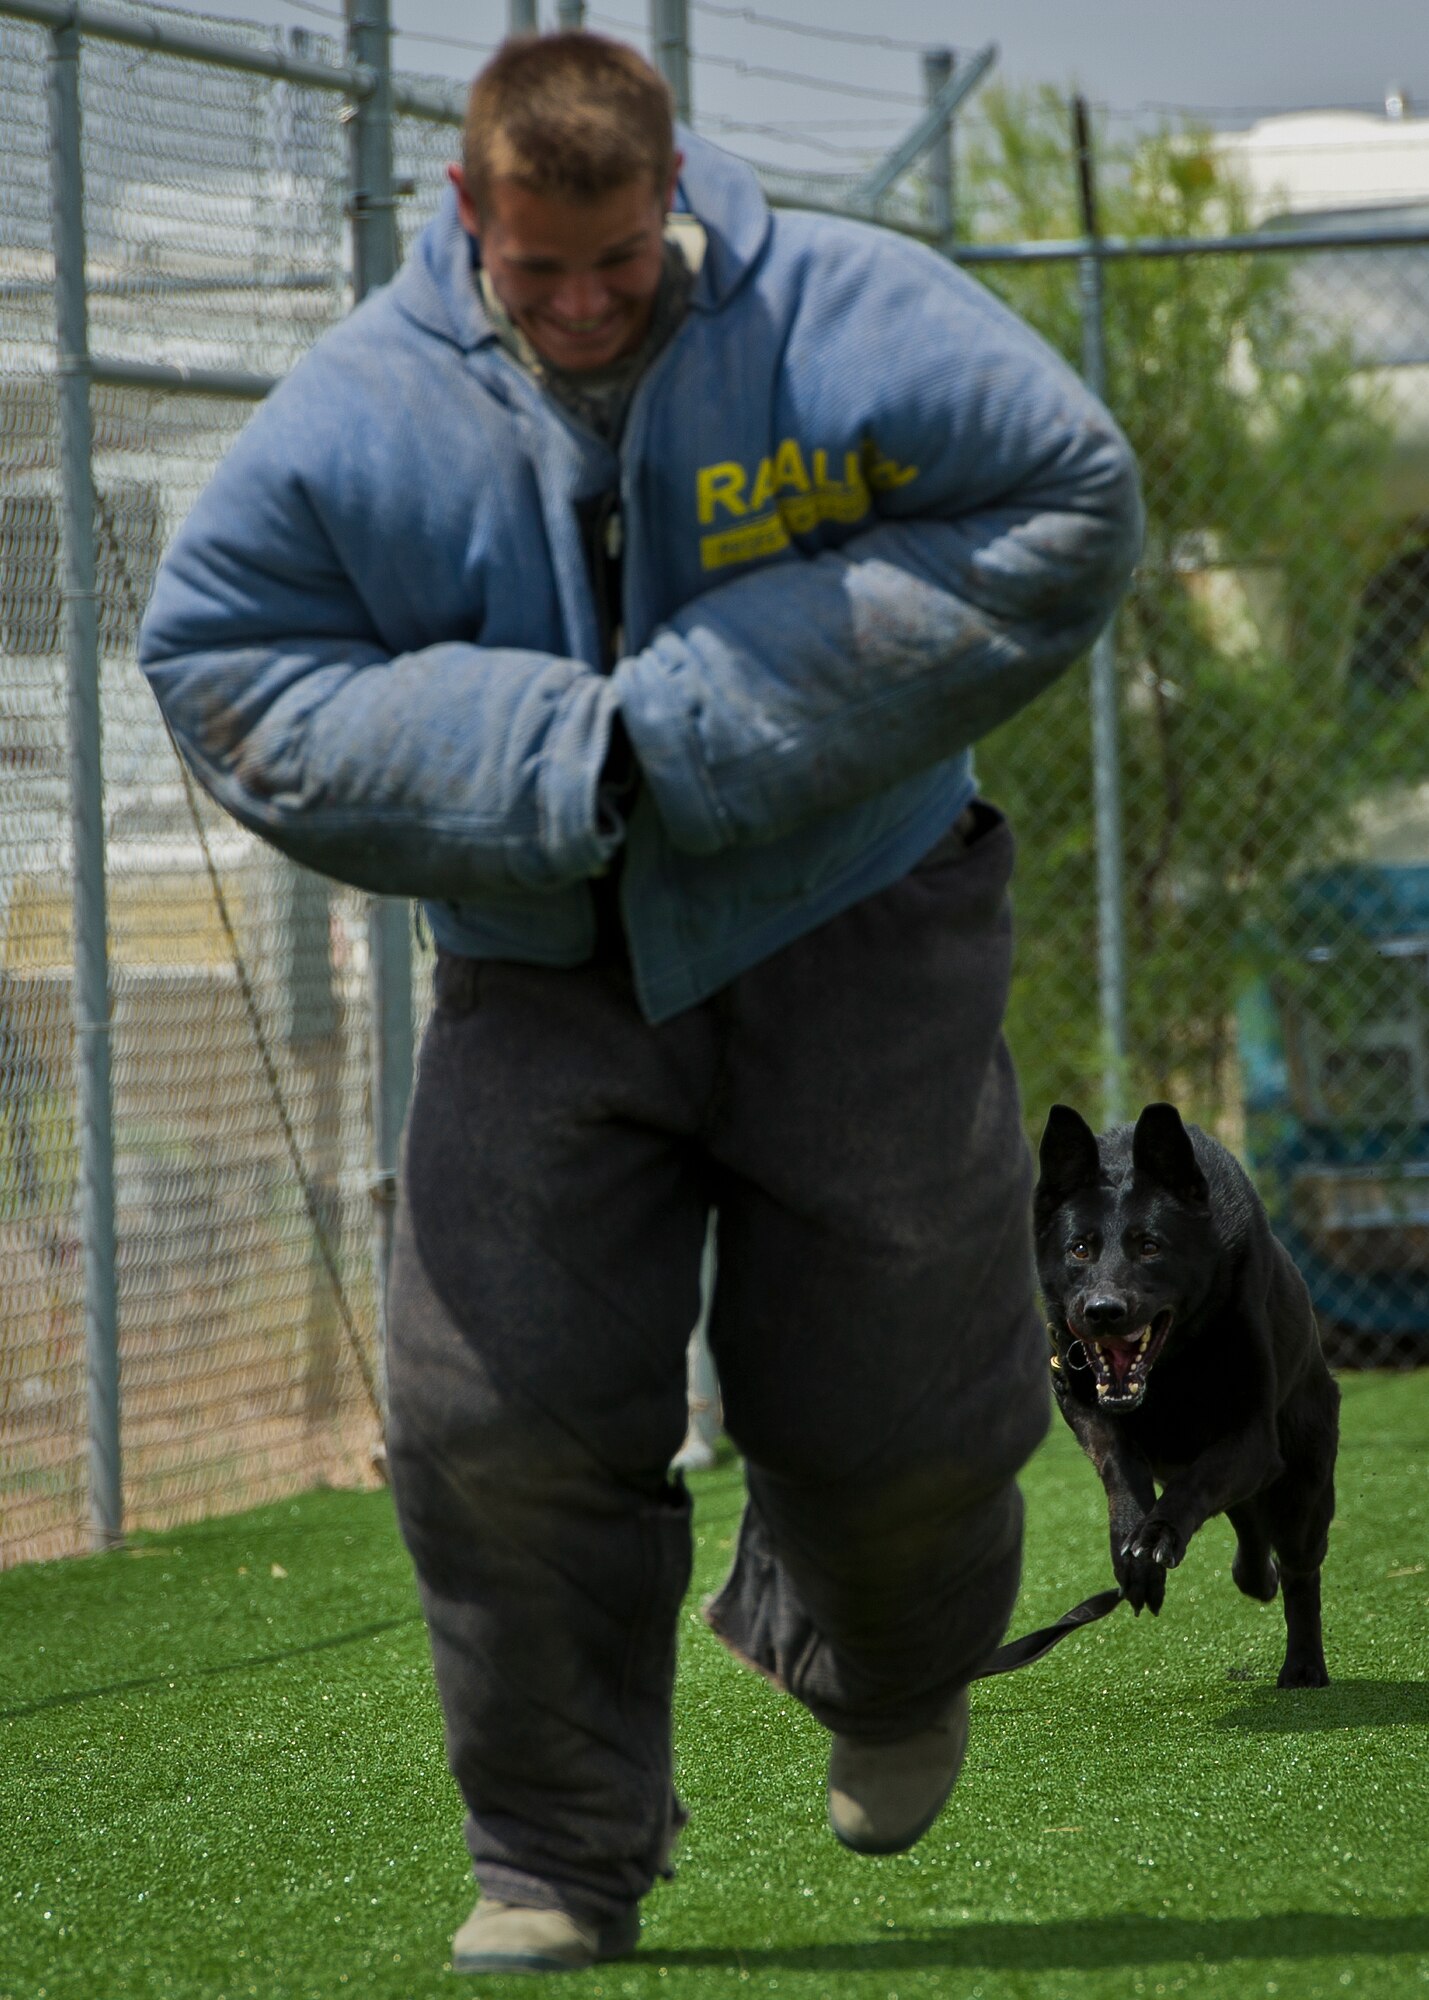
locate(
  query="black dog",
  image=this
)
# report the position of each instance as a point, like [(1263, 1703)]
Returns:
[(1155, 1253)]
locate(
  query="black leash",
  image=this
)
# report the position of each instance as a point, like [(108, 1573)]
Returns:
[(1032, 1645)]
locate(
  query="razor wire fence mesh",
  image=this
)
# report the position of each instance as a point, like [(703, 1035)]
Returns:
[(1274, 759)]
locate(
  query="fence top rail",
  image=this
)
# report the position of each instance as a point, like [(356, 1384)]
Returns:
[(108, 24), (439, 104), (445, 104), (1113, 249), (1120, 249)]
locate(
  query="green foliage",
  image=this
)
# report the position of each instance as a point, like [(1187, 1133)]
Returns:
[(1243, 751), (39, 1159)]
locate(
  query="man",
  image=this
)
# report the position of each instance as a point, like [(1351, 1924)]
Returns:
[(632, 596)]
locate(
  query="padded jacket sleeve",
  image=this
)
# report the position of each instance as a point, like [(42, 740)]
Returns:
[(822, 678), (453, 771)]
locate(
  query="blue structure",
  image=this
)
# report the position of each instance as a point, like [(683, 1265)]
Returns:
[(1335, 1067)]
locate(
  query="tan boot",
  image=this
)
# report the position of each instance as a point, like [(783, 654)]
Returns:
[(884, 1796), (509, 1937)]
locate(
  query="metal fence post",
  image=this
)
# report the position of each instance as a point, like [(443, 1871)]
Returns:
[(570, 14), (926, 132), (937, 74), (372, 207), (670, 48), (1106, 721), (521, 17), (90, 990)]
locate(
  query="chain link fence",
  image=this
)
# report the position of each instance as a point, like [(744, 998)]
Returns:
[(1272, 698), (1273, 766), (241, 1024)]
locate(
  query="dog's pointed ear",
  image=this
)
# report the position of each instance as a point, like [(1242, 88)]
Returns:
[(1068, 1156), (1161, 1150)]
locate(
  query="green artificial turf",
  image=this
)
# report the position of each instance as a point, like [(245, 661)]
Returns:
[(221, 1776)]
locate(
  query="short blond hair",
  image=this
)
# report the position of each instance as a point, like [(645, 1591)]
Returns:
[(572, 115)]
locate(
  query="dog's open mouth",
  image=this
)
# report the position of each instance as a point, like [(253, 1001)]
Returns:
[(1122, 1362)]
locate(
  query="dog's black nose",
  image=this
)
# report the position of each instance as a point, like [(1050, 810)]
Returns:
[(1105, 1311)]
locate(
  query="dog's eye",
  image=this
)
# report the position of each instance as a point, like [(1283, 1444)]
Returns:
[(1149, 1247), (1081, 1250)]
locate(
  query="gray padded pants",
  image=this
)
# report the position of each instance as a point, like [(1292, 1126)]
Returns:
[(849, 1108)]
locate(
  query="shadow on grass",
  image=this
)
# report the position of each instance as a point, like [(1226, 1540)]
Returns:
[(1086, 1943), (1342, 1705), (176, 1675)]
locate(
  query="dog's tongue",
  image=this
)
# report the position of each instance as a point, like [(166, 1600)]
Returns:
[(1120, 1355)]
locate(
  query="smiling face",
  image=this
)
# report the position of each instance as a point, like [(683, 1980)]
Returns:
[(579, 278)]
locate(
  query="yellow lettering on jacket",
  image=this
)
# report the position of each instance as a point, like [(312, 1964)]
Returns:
[(763, 486), (884, 474), (789, 473), (720, 486), (785, 502), (737, 545)]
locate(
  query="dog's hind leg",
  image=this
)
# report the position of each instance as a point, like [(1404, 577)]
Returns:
[(1304, 1665), (1299, 1510), (1253, 1567)]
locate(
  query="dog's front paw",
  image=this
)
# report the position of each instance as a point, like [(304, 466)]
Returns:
[(1157, 1541), (1141, 1563), (1143, 1582)]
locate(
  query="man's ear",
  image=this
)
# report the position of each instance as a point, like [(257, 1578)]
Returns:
[(1069, 1157), (465, 206), (1161, 1150)]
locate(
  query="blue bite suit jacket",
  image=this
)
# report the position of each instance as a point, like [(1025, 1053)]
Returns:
[(867, 516)]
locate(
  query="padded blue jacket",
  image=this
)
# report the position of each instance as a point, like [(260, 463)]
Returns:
[(867, 516)]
